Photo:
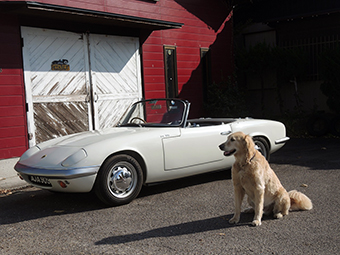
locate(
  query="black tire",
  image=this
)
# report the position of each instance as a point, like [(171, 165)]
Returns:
[(262, 146), (119, 180)]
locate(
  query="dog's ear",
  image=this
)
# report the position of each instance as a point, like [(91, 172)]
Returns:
[(250, 148)]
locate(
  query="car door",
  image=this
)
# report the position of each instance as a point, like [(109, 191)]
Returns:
[(196, 148)]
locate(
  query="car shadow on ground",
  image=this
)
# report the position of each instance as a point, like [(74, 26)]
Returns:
[(314, 153), (32, 203), (158, 188)]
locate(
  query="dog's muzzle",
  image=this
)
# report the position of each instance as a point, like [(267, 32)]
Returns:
[(226, 153)]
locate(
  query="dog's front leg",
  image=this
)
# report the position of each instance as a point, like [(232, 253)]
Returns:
[(259, 201), (239, 195)]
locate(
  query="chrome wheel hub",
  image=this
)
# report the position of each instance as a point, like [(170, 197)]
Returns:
[(120, 180)]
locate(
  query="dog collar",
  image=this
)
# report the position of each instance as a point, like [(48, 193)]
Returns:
[(249, 160), (252, 157)]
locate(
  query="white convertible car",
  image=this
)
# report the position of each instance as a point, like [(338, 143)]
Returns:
[(155, 142)]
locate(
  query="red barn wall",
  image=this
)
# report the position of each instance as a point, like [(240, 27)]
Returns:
[(13, 130)]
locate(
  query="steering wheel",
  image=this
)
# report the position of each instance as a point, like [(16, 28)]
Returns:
[(137, 118)]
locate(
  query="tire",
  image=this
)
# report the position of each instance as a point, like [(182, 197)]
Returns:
[(262, 146), (119, 180)]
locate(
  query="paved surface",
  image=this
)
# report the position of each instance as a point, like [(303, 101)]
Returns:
[(188, 216), (8, 176)]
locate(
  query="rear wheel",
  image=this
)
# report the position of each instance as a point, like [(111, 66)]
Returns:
[(119, 180), (262, 146)]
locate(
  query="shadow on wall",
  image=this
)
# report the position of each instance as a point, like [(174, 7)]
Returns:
[(222, 65), (214, 15)]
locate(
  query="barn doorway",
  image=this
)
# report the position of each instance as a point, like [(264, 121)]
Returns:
[(77, 82)]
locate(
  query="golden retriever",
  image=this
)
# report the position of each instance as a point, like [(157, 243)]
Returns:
[(252, 175)]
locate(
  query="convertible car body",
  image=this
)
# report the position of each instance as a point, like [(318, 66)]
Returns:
[(154, 142)]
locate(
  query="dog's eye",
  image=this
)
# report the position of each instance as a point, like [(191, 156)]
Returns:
[(232, 139)]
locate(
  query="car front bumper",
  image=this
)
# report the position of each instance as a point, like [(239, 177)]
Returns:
[(60, 180)]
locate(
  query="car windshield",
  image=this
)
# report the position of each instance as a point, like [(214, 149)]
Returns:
[(157, 112)]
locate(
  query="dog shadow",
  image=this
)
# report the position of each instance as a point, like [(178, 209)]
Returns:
[(194, 227)]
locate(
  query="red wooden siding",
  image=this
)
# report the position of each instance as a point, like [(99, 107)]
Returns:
[(13, 130)]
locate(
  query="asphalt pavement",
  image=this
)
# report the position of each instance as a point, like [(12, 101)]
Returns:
[(187, 216)]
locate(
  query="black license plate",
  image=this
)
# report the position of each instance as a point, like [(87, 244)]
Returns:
[(41, 181)]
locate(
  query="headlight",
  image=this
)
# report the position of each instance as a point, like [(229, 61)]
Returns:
[(74, 158), (30, 152)]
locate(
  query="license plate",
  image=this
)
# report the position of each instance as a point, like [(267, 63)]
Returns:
[(39, 180)]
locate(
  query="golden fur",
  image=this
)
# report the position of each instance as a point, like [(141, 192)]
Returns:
[(252, 175)]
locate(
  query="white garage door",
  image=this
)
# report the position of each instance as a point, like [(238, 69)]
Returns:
[(77, 82)]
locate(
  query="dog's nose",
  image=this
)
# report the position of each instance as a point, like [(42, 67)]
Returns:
[(221, 146)]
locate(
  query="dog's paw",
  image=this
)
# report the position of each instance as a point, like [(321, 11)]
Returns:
[(256, 223), (234, 220), (278, 216)]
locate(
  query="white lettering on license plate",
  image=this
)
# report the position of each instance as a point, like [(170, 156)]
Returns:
[(40, 180)]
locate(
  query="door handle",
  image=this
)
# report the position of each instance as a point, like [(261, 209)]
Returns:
[(96, 97), (225, 132)]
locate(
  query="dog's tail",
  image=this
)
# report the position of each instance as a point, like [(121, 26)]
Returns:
[(299, 201)]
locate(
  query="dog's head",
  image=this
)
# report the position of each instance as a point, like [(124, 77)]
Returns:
[(237, 144)]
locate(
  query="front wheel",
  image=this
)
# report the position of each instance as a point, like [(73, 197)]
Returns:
[(262, 146), (119, 180)]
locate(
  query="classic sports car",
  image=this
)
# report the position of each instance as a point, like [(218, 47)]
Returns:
[(154, 142)]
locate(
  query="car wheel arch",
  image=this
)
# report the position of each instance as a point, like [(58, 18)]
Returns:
[(133, 154), (266, 142), (265, 138)]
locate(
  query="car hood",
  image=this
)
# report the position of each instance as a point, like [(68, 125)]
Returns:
[(52, 153), (86, 138)]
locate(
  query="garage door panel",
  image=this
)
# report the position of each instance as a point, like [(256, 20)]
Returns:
[(60, 75), (109, 48), (56, 96), (53, 48), (107, 110), (61, 118), (50, 82), (115, 60), (116, 76), (52, 85)]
